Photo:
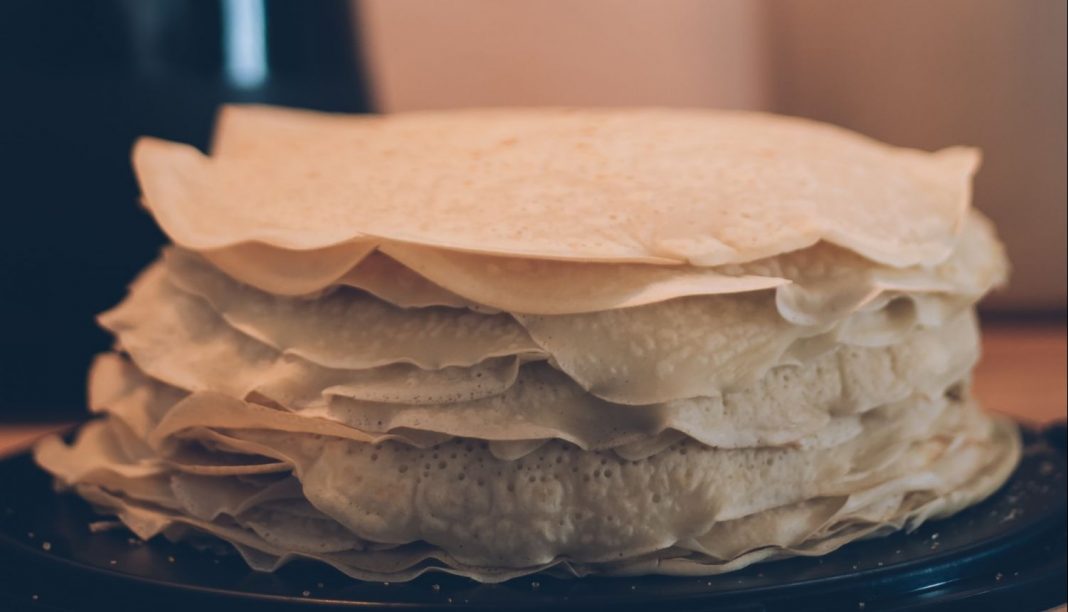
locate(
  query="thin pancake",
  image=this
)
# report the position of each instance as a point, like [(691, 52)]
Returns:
[(704, 187)]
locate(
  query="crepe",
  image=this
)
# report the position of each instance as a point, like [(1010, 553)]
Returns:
[(788, 405), (343, 328), (177, 338), (499, 342), (275, 346), (963, 463), (683, 186)]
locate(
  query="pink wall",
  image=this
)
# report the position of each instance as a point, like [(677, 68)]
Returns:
[(430, 54)]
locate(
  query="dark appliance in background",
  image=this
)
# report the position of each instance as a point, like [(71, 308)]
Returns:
[(80, 81)]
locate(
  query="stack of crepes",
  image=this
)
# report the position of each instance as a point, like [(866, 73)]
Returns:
[(498, 342)]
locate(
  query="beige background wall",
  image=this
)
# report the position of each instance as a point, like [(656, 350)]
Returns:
[(924, 73), (441, 54)]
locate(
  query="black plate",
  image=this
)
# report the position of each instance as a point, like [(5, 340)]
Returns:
[(1007, 551)]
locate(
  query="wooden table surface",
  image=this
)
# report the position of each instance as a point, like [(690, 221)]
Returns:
[(1022, 373)]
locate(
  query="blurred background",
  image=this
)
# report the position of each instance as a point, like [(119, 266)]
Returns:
[(83, 78)]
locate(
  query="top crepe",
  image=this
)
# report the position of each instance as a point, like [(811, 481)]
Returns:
[(657, 186)]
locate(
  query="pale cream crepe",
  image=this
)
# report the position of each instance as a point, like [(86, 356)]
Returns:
[(492, 343), (706, 187)]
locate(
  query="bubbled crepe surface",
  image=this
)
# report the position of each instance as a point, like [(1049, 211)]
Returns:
[(393, 400)]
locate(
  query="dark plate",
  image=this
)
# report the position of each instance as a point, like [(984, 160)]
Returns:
[(1007, 551)]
